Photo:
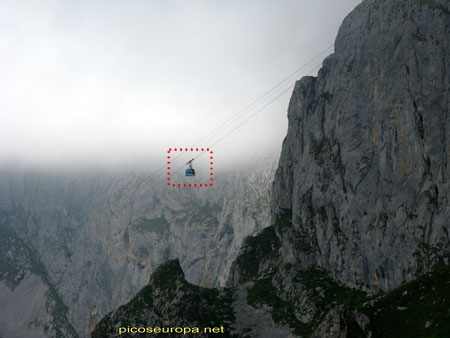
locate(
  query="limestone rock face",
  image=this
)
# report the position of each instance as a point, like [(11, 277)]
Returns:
[(284, 300), (365, 166), (360, 200), (361, 195), (169, 301), (30, 305), (100, 235), (341, 322)]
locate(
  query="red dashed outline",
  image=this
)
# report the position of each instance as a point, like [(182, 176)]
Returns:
[(190, 185)]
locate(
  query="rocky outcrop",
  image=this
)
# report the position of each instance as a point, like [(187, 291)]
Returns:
[(30, 305), (283, 301), (100, 235), (360, 205), (169, 302), (307, 301), (341, 322), (256, 254), (364, 166), (360, 201)]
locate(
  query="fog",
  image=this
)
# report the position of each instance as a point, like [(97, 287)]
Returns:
[(113, 83)]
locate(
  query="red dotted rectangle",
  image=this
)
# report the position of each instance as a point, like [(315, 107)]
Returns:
[(189, 185)]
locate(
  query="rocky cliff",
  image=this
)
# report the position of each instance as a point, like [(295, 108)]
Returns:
[(360, 206), (30, 304), (360, 201), (97, 237), (169, 301), (364, 169), (283, 300)]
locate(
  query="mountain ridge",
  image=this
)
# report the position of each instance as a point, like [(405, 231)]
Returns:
[(100, 235), (364, 166), (359, 207)]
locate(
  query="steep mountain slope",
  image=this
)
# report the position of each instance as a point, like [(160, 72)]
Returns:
[(160, 302), (282, 301), (24, 278), (364, 167), (100, 235), (360, 201)]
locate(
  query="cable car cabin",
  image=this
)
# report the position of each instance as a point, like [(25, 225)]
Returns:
[(190, 171)]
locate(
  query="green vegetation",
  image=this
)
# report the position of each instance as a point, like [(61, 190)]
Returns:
[(207, 305), (282, 311), (59, 312), (326, 294), (321, 148), (319, 282), (17, 260), (14, 258), (256, 249), (320, 290), (417, 309), (158, 225), (207, 212), (283, 219), (195, 212), (211, 307), (420, 308), (429, 256), (167, 275), (176, 303)]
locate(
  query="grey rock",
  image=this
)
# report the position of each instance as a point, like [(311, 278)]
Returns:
[(363, 178), (252, 322), (30, 305), (364, 166), (341, 322), (257, 254), (23, 309), (101, 234), (361, 193), (168, 301)]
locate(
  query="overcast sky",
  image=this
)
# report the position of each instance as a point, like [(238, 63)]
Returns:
[(112, 81)]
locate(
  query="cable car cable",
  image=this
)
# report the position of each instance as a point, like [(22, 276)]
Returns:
[(251, 116), (243, 122), (246, 108), (263, 95)]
